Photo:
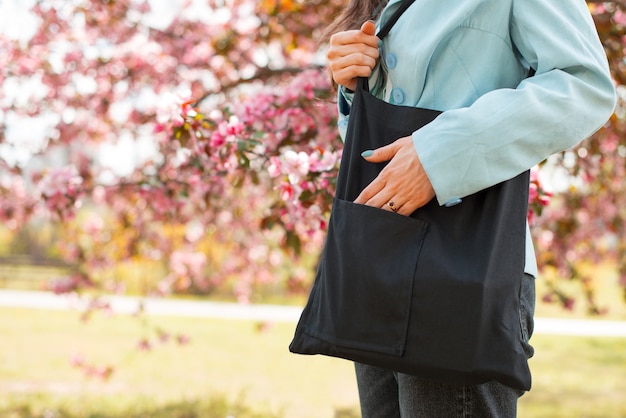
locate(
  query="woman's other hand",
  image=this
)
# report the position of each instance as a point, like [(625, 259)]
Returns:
[(353, 54), (402, 186)]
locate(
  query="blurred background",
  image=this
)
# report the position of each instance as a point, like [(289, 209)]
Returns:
[(166, 174)]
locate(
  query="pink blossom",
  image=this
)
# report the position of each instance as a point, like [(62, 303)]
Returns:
[(102, 372), (182, 339), (69, 283), (190, 264), (93, 225), (144, 345), (287, 192), (532, 192), (77, 360), (619, 17), (64, 180), (163, 336), (274, 169), (296, 163), (323, 161)]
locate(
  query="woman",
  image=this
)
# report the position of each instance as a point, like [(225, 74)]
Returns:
[(470, 59)]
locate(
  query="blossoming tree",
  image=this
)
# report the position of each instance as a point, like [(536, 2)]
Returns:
[(205, 141)]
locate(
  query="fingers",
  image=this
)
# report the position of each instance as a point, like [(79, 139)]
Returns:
[(369, 28), (385, 153), (386, 199), (365, 35), (403, 181), (353, 54), (380, 194), (392, 206), (373, 194), (345, 69)]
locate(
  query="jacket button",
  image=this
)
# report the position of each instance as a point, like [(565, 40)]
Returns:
[(453, 202), (397, 95), (391, 60)]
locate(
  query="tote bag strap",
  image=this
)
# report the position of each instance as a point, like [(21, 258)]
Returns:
[(394, 18), (362, 82)]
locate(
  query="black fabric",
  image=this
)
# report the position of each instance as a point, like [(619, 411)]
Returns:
[(435, 294), (394, 18)]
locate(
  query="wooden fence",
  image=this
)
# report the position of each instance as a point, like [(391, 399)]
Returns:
[(29, 273)]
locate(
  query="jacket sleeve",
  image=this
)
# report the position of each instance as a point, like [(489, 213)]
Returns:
[(344, 103), (508, 131)]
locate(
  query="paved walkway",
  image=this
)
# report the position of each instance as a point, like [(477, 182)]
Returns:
[(274, 313)]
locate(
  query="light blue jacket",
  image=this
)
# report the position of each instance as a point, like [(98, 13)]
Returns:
[(470, 59)]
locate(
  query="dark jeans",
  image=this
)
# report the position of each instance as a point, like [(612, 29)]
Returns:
[(387, 394)]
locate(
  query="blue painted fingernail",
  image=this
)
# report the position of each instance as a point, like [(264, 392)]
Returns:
[(453, 202), (367, 153)]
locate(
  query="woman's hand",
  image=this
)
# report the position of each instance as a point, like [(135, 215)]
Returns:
[(402, 186), (353, 54)]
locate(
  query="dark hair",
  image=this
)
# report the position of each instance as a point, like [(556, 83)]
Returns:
[(353, 16)]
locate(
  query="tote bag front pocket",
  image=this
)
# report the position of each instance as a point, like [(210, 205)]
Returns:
[(362, 294)]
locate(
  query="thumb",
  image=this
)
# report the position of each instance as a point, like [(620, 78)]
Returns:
[(369, 27), (381, 154)]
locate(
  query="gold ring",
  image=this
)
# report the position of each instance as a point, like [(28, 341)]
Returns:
[(392, 206)]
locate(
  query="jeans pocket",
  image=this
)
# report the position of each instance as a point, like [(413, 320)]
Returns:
[(367, 270), (527, 312)]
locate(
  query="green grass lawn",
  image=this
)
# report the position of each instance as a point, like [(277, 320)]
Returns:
[(230, 359), (231, 368)]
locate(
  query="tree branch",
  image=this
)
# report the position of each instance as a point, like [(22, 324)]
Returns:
[(262, 74)]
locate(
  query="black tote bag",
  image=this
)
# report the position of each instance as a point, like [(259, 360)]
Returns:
[(434, 294)]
